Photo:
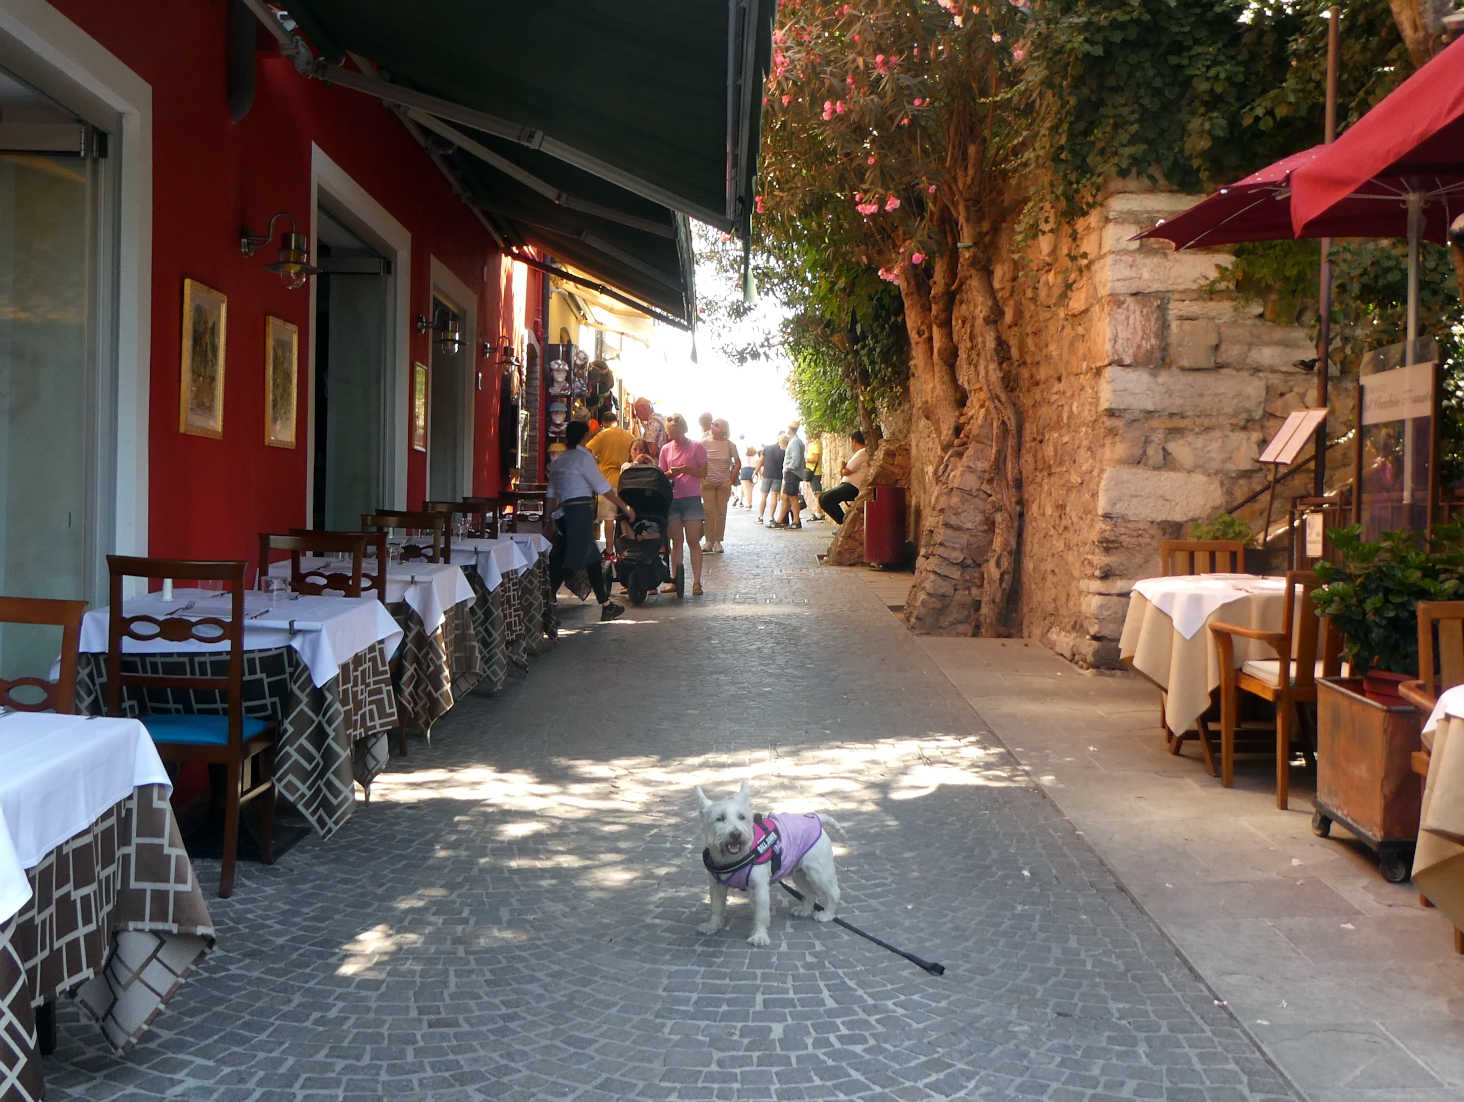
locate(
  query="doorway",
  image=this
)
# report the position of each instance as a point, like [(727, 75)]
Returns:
[(353, 298), (446, 434), (57, 410)]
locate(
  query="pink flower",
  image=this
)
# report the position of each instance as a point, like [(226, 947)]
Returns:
[(892, 203), (867, 208), (889, 276), (849, 80), (786, 100), (858, 197), (828, 111), (872, 159), (918, 102), (839, 108), (879, 62), (1019, 54), (905, 121), (765, 101), (931, 189), (759, 204), (917, 258)]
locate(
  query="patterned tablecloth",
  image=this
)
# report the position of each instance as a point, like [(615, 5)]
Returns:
[(331, 736), (115, 916), (431, 666), (491, 628)]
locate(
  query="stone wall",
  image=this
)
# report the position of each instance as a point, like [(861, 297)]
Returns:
[(1145, 402)]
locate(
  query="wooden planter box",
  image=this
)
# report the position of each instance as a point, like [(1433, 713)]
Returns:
[(1365, 780)]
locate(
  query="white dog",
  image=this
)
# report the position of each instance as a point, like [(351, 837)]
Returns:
[(751, 852)]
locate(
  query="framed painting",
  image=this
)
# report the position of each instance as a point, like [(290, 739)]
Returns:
[(281, 353), (419, 407), (201, 403)]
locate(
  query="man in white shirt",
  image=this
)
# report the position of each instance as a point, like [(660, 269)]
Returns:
[(853, 470), (574, 480)]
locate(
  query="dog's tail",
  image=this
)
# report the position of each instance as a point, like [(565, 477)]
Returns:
[(830, 821)]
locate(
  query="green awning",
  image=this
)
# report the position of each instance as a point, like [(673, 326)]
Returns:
[(661, 97)]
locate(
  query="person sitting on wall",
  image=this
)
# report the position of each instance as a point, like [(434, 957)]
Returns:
[(833, 501)]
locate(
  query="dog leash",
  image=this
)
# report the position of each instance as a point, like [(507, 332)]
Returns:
[(929, 965)]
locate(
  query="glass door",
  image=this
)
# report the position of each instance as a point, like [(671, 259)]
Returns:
[(49, 248)]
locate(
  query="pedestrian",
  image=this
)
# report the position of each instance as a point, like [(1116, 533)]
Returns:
[(716, 487), (749, 466), (814, 461), (705, 421), (852, 470), (685, 461), (650, 425), (611, 449), (794, 472), (770, 476), (574, 480)]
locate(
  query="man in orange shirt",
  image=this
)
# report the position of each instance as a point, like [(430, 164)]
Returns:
[(611, 449)]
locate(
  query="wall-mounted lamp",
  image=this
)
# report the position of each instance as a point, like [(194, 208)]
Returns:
[(449, 330), (294, 265)]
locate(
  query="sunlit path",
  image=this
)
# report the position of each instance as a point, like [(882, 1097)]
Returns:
[(513, 916)]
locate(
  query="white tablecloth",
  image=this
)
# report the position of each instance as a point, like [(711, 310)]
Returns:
[(428, 587), (1450, 703), (493, 558), (58, 774), (534, 543), (325, 631), (1189, 600)]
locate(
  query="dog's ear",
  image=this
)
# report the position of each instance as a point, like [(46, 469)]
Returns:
[(702, 799), (742, 792)]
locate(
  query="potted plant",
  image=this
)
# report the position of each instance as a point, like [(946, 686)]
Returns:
[(1228, 526), (1366, 733)]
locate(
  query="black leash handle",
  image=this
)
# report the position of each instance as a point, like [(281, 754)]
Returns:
[(929, 965)]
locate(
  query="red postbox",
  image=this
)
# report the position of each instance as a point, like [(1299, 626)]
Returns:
[(884, 525)]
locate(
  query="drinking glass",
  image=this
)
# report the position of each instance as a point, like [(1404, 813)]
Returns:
[(275, 590)]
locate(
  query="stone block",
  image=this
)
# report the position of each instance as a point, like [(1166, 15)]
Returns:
[(1261, 346), (1193, 343), (1103, 616), (1135, 493), (1150, 270), (1136, 329), (1213, 450), (1196, 394)]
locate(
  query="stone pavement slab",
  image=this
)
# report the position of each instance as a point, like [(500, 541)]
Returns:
[(513, 916)]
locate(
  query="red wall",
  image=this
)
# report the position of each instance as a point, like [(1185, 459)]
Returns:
[(209, 498)]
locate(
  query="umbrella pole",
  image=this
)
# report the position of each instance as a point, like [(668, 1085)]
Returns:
[(1324, 327), (1410, 428)]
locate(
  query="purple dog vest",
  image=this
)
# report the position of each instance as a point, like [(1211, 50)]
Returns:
[(779, 840)]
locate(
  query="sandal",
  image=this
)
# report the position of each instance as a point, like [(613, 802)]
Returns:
[(696, 590), (669, 587)]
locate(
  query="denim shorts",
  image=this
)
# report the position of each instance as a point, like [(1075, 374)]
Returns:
[(769, 485), (687, 508)]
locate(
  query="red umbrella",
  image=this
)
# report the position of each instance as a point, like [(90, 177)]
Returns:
[(1408, 151), (1257, 208)]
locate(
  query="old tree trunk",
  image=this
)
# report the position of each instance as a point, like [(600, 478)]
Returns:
[(967, 432)]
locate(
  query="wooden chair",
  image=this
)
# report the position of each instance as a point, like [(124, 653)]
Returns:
[(485, 515), (1178, 557), (54, 696), (242, 745), (1201, 557), (317, 543), (1287, 681), (1440, 667), (373, 565), (438, 549)]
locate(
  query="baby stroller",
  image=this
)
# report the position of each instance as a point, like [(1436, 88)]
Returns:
[(643, 549)]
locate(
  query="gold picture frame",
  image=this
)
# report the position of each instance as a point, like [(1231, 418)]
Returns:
[(281, 381), (421, 385), (201, 401)]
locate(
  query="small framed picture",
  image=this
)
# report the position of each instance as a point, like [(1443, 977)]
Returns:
[(201, 403), (420, 391), (281, 356)]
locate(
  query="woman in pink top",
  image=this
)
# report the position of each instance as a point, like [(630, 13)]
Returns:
[(686, 462)]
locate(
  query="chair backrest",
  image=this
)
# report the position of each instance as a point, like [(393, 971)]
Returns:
[(1201, 556), (178, 629), (437, 549), (485, 510), (316, 543), (44, 695), (1303, 625), (454, 509), (1440, 645), (373, 565)]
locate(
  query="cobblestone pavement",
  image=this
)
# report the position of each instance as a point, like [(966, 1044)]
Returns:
[(513, 916)]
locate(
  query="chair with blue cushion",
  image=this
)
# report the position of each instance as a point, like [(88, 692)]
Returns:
[(241, 746)]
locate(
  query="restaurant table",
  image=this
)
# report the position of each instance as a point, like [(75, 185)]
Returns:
[(438, 652), (540, 621), (487, 563), (317, 666), (1166, 638), (1438, 861), (97, 895)]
